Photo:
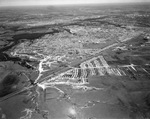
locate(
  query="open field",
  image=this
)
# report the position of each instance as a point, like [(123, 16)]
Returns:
[(78, 62)]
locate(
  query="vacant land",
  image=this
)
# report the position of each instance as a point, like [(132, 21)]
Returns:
[(78, 62)]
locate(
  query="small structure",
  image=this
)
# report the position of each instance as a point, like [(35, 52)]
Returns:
[(147, 37)]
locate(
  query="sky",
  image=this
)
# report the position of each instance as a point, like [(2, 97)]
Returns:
[(61, 2)]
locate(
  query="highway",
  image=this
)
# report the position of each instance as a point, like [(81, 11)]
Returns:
[(57, 72)]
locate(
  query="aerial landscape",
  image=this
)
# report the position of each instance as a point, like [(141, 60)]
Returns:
[(83, 61)]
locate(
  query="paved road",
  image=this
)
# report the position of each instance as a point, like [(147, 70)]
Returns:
[(61, 70), (57, 72)]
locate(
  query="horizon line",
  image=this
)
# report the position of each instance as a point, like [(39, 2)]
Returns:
[(67, 4)]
